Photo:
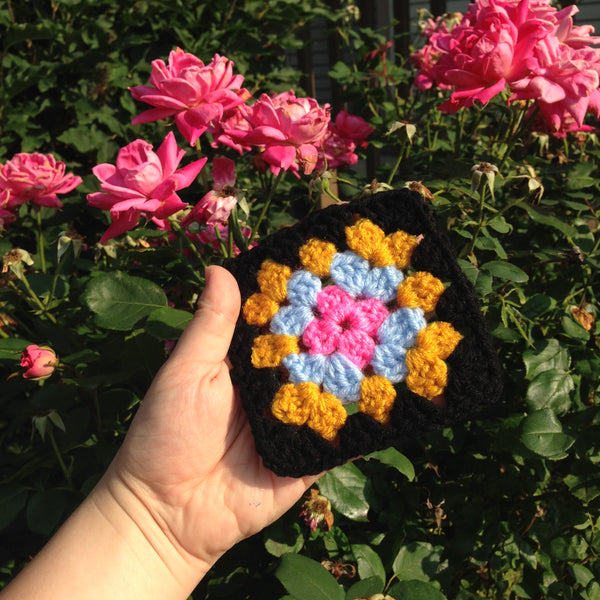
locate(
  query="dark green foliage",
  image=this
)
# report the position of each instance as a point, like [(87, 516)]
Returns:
[(507, 506)]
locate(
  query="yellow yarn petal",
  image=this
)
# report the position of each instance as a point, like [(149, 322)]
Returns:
[(427, 374), (316, 256), (292, 402), (269, 350), (259, 309), (272, 279), (377, 395), (327, 415), (365, 239), (402, 245), (422, 290), (439, 339), (382, 255)]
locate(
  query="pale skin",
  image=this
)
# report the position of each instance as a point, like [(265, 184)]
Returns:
[(186, 485)]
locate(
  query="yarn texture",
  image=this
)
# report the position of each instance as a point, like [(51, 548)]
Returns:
[(357, 330)]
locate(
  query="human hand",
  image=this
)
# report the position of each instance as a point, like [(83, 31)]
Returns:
[(186, 485), (189, 457)]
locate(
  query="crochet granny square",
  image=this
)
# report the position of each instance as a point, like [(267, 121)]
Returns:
[(358, 329)]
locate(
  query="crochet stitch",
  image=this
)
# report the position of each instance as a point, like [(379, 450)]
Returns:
[(357, 329)]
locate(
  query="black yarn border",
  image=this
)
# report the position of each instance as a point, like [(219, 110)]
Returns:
[(474, 379)]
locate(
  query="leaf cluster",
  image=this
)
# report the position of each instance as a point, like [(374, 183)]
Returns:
[(505, 506)]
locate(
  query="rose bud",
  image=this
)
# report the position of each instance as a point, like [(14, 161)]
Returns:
[(39, 362)]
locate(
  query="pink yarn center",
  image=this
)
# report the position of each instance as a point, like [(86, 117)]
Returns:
[(345, 324)]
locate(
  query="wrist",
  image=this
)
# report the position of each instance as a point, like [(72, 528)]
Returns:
[(110, 547), (131, 513)]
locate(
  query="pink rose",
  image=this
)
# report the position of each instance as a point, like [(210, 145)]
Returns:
[(353, 127), (215, 206), (236, 121), (562, 74), (199, 96), (40, 362), (482, 54), (37, 178), (427, 56), (6, 215), (289, 129), (524, 46), (142, 184), (341, 140)]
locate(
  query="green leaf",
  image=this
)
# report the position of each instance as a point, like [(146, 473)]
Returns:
[(283, 537), (344, 486), (365, 588), (580, 176), (541, 432), (306, 579), (584, 488), (167, 323), (505, 270), (537, 305), (27, 32), (414, 590), (11, 348), (56, 420), (548, 355), (481, 280), (45, 510), (41, 425), (593, 591), (369, 563), (417, 560), (574, 330), (491, 243), (340, 71), (549, 220), (569, 548), (581, 575), (469, 269), (551, 389), (499, 224), (13, 498), (120, 300), (396, 459)]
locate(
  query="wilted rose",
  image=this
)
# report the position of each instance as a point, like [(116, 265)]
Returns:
[(317, 511), (215, 206)]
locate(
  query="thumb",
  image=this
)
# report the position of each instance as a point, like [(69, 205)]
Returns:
[(207, 337)]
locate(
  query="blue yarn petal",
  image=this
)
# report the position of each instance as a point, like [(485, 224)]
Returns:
[(349, 271), (342, 378), (382, 283), (303, 287), (389, 361), (305, 367), (291, 320), (401, 327)]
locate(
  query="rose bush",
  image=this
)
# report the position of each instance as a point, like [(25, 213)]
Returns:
[(504, 507)]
